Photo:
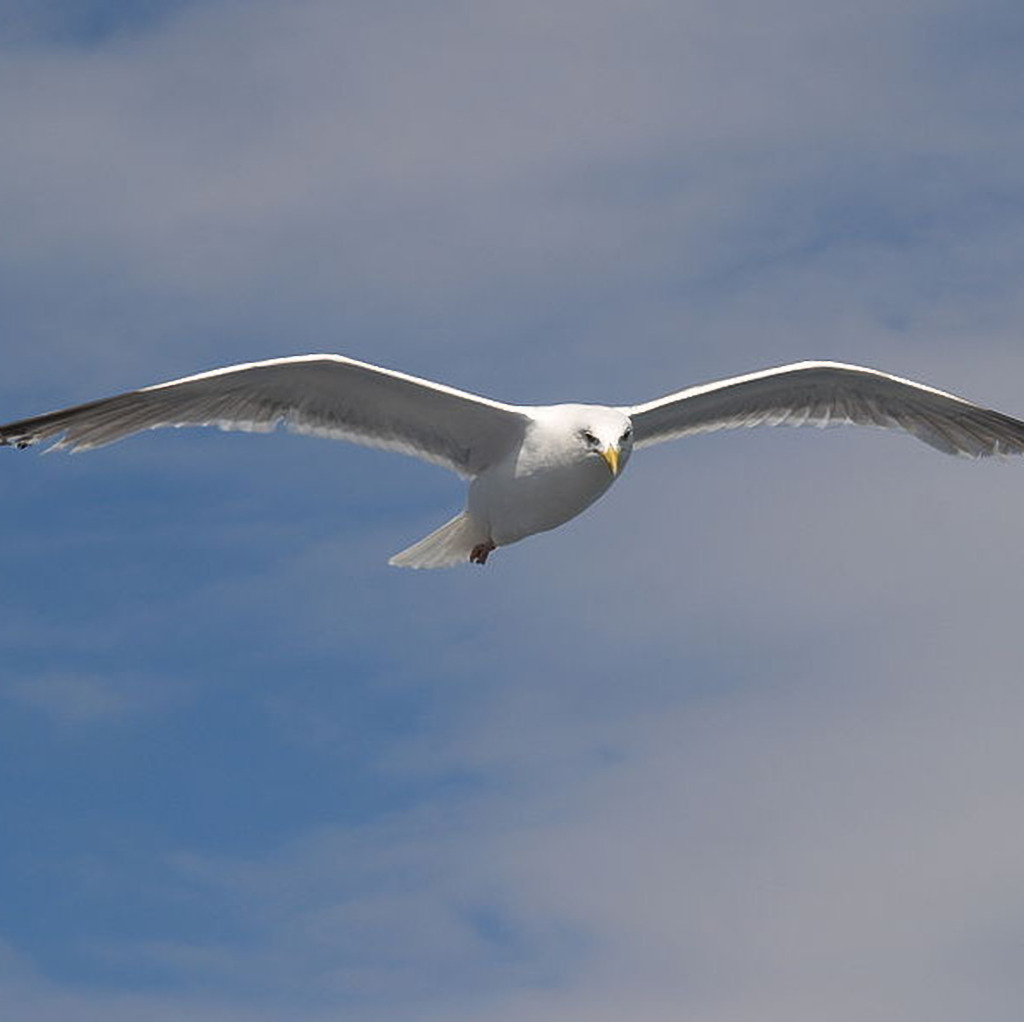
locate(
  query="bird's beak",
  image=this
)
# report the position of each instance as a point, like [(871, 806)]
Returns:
[(611, 456)]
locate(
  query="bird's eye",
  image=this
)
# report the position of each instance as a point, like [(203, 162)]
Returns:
[(590, 438), (627, 433)]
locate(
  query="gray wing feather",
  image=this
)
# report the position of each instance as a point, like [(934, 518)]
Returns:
[(319, 394), (825, 393)]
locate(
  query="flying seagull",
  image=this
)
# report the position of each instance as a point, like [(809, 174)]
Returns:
[(531, 467)]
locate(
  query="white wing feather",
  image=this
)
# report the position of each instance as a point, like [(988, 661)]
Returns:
[(823, 393), (320, 394)]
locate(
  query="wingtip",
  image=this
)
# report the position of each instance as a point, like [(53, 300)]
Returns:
[(18, 443)]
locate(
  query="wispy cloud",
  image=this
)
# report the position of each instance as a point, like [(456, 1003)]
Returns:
[(76, 698)]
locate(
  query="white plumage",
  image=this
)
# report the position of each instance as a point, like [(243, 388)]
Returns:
[(532, 468)]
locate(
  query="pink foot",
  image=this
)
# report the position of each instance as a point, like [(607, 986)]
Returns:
[(478, 555)]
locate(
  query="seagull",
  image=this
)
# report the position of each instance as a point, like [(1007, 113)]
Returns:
[(531, 468)]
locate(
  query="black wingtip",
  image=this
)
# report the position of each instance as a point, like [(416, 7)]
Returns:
[(20, 443)]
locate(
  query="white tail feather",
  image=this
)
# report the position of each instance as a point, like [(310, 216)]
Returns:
[(451, 544)]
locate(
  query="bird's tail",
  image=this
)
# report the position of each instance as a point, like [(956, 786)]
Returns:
[(451, 544)]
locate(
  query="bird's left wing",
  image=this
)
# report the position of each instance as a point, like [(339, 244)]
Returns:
[(821, 393), (320, 394)]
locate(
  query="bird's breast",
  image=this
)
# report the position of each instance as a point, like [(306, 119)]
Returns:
[(517, 498)]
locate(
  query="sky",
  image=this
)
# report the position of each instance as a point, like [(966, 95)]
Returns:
[(744, 742)]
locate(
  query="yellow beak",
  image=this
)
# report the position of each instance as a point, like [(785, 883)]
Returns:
[(611, 456)]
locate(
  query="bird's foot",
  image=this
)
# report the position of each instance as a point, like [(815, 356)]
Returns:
[(478, 555)]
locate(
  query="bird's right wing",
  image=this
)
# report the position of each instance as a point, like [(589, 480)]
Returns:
[(822, 393), (321, 394)]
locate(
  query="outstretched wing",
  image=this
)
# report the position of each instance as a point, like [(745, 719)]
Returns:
[(320, 394), (822, 393)]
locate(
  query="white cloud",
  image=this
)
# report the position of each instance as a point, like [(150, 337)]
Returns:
[(73, 698), (455, 176)]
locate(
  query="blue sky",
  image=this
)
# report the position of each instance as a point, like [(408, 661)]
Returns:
[(743, 742)]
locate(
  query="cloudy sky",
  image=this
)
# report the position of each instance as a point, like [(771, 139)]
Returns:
[(745, 742)]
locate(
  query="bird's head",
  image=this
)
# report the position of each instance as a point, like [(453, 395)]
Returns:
[(606, 433)]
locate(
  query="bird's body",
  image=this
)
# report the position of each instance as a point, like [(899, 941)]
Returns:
[(544, 482), (532, 468)]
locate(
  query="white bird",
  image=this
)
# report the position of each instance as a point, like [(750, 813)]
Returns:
[(532, 467)]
